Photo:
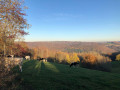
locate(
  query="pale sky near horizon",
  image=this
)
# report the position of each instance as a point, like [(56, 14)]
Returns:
[(73, 20)]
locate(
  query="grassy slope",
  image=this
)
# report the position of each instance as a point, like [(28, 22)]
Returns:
[(115, 67), (51, 76)]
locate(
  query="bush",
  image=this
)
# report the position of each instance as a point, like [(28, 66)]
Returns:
[(118, 57), (89, 58), (94, 60)]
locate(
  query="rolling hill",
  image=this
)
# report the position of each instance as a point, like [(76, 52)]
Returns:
[(69, 46)]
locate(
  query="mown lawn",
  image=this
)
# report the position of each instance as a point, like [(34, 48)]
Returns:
[(52, 76)]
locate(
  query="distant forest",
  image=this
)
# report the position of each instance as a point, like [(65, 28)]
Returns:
[(78, 47)]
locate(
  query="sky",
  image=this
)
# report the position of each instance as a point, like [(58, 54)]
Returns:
[(73, 20)]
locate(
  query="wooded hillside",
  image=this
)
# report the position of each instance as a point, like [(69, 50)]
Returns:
[(69, 46)]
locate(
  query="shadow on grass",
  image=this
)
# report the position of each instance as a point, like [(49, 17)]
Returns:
[(44, 75), (38, 75)]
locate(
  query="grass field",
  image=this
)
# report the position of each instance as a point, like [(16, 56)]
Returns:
[(52, 76), (115, 67)]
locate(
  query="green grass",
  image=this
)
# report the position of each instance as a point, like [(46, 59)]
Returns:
[(52, 76), (115, 67)]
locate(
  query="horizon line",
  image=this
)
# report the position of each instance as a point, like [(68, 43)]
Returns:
[(71, 41)]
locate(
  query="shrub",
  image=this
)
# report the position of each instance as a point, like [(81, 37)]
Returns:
[(94, 60), (74, 58), (89, 58), (118, 57)]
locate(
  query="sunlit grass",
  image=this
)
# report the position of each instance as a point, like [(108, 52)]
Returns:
[(51, 67), (52, 76)]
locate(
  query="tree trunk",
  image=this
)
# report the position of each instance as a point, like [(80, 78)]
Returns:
[(4, 50)]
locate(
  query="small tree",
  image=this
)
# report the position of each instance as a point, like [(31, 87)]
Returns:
[(74, 58), (59, 56), (35, 53), (67, 58), (89, 58), (118, 57)]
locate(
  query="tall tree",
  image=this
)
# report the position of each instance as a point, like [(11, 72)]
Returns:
[(12, 22)]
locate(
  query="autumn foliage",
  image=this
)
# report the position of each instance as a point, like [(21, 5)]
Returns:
[(12, 24), (74, 58), (12, 29), (40, 53), (118, 57), (89, 58)]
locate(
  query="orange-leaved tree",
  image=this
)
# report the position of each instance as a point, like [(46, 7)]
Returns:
[(89, 58), (12, 22)]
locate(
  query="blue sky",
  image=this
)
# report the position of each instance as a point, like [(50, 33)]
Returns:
[(73, 20)]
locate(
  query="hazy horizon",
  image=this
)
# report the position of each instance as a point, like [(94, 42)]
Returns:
[(72, 41)]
